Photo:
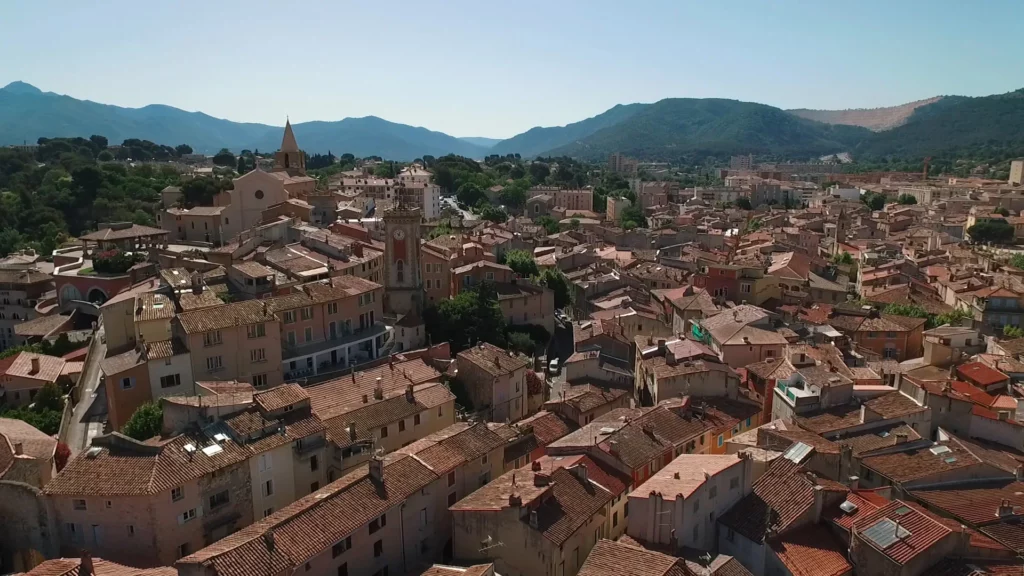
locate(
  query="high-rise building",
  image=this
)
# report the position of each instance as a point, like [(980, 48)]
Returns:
[(1017, 172)]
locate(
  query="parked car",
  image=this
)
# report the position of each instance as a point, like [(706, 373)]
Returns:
[(553, 366)]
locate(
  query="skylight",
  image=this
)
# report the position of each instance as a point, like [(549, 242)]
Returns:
[(939, 450)]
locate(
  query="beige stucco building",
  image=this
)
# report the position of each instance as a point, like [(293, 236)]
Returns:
[(495, 380)]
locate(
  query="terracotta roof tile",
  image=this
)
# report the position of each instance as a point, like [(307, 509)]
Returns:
[(280, 397), (50, 367), (810, 551), (609, 558), (922, 531), (974, 505), (34, 443), (72, 567), (226, 315), (547, 427), (493, 360)]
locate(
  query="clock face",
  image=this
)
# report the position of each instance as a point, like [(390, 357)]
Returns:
[(399, 234)]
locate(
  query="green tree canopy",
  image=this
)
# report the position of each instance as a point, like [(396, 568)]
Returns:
[(224, 158), (995, 231), (633, 217), (1002, 211), (470, 317), (744, 203), (906, 199), (1017, 261), (494, 214), (554, 279), (146, 422), (873, 200), (550, 224), (522, 263)]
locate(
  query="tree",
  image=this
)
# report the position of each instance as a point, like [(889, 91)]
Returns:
[(1002, 211), (522, 263), (442, 229), (470, 194), (521, 342), (1017, 260), (550, 224), (744, 203), (906, 199), (105, 156), (145, 423), (224, 158), (1013, 331), (99, 142), (539, 172), (873, 200), (953, 318), (384, 170), (633, 217), (844, 258), (910, 310), (48, 398), (183, 149), (61, 456), (554, 279), (241, 165), (494, 214), (470, 317), (996, 231)]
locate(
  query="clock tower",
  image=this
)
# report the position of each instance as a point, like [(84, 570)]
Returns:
[(403, 284)]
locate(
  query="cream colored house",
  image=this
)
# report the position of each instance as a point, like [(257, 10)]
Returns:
[(495, 380)]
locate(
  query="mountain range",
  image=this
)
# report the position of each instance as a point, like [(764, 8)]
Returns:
[(666, 130)]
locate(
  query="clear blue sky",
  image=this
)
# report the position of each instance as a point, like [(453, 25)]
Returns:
[(486, 68)]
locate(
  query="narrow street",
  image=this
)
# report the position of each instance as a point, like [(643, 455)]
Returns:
[(87, 423)]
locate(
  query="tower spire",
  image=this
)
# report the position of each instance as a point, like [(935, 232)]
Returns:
[(288, 143)]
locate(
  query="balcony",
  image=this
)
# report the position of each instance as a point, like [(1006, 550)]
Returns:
[(291, 352), (307, 445)]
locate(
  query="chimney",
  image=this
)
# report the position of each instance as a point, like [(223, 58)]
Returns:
[(541, 479), (366, 398), (1019, 472), (675, 475), (197, 284), (391, 362), (819, 502), (854, 482), (409, 393), (85, 568), (1005, 509), (515, 500), (352, 430), (377, 468), (535, 466), (35, 365), (580, 470), (378, 389), (533, 519), (19, 449)]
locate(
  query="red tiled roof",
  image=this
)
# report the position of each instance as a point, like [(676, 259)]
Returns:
[(811, 551), (547, 427), (609, 558), (974, 505), (924, 531), (980, 373), (73, 567)]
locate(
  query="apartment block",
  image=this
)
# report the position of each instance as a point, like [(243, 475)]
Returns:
[(385, 407), (495, 380), (237, 341), (20, 292)]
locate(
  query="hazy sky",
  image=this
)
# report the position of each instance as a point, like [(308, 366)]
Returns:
[(495, 69)]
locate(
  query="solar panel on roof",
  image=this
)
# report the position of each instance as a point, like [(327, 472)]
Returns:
[(885, 533), (950, 460), (797, 452)]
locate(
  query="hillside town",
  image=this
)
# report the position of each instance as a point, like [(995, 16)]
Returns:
[(788, 370)]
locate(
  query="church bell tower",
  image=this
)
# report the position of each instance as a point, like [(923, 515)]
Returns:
[(403, 284), (289, 158)]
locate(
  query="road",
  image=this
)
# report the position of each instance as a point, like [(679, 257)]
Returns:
[(86, 424), (449, 202)]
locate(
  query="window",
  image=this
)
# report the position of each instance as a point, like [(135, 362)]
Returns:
[(314, 487), (452, 499), (615, 519), (332, 308), (109, 504), (307, 313), (423, 518), (489, 276), (341, 547), (696, 506), (401, 425), (187, 516), (131, 530), (485, 478), (78, 504), (625, 510), (890, 334), (451, 479), (872, 334), (219, 499), (484, 460), (343, 569), (734, 483), (170, 381), (400, 271), (378, 523), (177, 493), (308, 335), (184, 550), (268, 512), (440, 411), (384, 432), (127, 383), (289, 316), (416, 420), (378, 548), (720, 440), (314, 463), (259, 380), (730, 535), (745, 288), (268, 488), (211, 338), (748, 421), (713, 492), (256, 330), (214, 363), (258, 355)]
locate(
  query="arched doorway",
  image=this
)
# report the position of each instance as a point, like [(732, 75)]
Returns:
[(97, 296)]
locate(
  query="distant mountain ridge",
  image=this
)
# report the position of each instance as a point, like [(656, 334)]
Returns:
[(875, 119), (668, 130), (27, 113)]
